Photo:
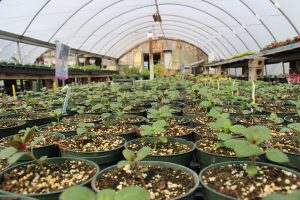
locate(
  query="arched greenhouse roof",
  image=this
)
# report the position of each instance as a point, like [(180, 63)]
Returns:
[(112, 27)]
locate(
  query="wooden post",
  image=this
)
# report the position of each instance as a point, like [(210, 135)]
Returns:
[(219, 70), (151, 59), (255, 67)]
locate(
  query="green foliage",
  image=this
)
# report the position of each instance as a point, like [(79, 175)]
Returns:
[(57, 113), (19, 146), (127, 193), (155, 129), (161, 113), (132, 160), (274, 118), (249, 146)]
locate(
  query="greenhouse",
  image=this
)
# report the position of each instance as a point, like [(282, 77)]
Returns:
[(149, 100)]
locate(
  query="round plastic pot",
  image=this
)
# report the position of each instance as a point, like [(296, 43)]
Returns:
[(185, 123), (282, 115), (188, 196), (51, 195), (65, 133), (142, 120), (4, 132), (88, 115), (34, 122), (210, 194), (101, 157), (49, 150), (288, 119), (15, 197), (180, 158), (245, 124), (205, 159)]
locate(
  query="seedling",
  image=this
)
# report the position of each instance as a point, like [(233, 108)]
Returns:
[(295, 127), (19, 146), (57, 113), (161, 113), (274, 118), (83, 128), (254, 136), (152, 131), (127, 193), (132, 160)]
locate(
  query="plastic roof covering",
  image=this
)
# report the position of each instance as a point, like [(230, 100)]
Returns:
[(112, 27)]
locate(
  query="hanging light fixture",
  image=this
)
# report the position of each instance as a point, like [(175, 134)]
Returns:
[(157, 17)]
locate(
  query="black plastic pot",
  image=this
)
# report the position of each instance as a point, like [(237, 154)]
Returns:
[(188, 196), (4, 132), (181, 158), (33, 122), (280, 121), (51, 195), (291, 119), (82, 116), (15, 197), (210, 194), (205, 158), (101, 157)]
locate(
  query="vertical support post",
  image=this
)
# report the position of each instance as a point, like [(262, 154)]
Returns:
[(283, 70), (19, 53), (219, 71), (255, 65), (151, 59)]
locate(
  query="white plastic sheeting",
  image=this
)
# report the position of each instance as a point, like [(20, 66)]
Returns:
[(111, 27), (9, 51)]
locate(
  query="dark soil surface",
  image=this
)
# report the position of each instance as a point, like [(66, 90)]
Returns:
[(162, 182), (32, 179), (3, 164), (58, 127), (256, 120), (285, 144), (205, 131), (113, 130), (9, 124), (275, 131), (203, 120), (90, 143), (84, 119), (162, 149), (29, 116), (232, 180), (209, 145)]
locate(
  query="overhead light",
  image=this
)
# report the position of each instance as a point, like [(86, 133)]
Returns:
[(234, 32), (243, 25), (157, 17), (277, 5)]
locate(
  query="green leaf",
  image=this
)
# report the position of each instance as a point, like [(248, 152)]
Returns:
[(106, 194), (132, 193), (246, 112), (78, 193), (163, 139), (14, 158), (251, 170), (81, 130), (257, 134), (122, 163), (224, 136), (43, 158), (205, 104), (142, 153), (129, 155), (276, 155), (294, 126), (243, 148), (97, 107), (160, 123), (29, 134), (105, 115), (276, 197), (283, 130), (35, 142), (7, 152), (237, 128), (146, 130)]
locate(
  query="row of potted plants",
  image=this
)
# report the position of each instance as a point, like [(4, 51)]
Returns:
[(222, 117)]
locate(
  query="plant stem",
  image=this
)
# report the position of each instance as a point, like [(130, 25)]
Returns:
[(140, 175)]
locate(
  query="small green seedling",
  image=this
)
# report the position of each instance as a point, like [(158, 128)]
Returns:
[(254, 136), (132, 160), (161, 113), (127, 193), (19, 146), (57, 113), (152, 131), (274, 118), (293, 127), (83, 128)]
